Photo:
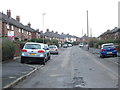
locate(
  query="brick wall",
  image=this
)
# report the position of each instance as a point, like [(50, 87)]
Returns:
[(33, 34), (17, 33)]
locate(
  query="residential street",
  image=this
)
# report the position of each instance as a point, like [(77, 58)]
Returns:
[(74, 67)]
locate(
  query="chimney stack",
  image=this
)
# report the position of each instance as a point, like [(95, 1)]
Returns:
[(41, 31), (9, 13), (47, 30), (37, 30), (18, 18), (29, 24), (52, 31), (56, 32)]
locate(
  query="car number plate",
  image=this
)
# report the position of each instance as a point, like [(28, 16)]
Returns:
[(32, 54), (109, 52)]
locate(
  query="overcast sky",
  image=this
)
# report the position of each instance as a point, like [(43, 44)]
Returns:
[(68, 16)]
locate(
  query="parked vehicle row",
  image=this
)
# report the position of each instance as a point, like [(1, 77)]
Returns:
[(67, 45), (37, 52)]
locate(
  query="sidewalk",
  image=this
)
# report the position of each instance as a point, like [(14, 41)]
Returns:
[(13, 70)]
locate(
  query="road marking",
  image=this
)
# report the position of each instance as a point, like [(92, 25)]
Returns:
[(11, 77)]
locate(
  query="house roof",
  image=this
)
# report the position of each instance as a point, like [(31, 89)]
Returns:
[(12, 21), (110, 31)]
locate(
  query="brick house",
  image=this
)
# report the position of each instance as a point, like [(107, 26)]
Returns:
[(11, 26), (110, 34)]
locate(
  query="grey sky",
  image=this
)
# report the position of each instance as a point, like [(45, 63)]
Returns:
[(68, 16)]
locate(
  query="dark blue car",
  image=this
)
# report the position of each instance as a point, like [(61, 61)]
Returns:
[(108, 50)]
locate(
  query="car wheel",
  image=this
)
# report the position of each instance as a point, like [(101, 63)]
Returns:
[(44, 62), (101, 56), (22, 61), (115, 55), (49, 58)]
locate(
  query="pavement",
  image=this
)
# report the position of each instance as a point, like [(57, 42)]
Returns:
[(19, 72)]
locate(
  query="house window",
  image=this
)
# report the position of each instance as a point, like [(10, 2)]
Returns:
[(7, 26), (19, 29), (22, 30), (12, 27), (27, 32)]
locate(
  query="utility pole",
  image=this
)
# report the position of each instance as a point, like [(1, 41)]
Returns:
[(90, 32), (43, 26), (87, 30), (82, 32)]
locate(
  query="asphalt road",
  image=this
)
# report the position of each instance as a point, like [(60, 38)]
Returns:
[(74, 67)]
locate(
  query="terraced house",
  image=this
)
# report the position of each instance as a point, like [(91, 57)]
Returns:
[(110, 34), (13, 28)]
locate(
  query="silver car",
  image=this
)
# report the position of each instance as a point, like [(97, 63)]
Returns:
[(54, 49), (34, 52)]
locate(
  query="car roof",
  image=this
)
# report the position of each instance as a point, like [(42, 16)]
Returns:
[(107, 44), (33, 43)]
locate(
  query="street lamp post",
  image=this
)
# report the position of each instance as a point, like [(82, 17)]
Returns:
[(43, 26), (88, 29)]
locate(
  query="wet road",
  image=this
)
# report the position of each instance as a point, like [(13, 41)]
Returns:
[(74, 67)]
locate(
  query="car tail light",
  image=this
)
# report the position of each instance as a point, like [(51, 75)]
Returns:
[(56, 49), (23, 50), (40, 51), (115, 48), (102, 50)]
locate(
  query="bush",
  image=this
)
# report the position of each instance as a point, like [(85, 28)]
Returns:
[(118, 48), (8, 49), (46, 41)]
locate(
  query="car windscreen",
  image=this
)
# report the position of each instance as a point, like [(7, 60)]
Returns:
[(108, 46), (32, 46)]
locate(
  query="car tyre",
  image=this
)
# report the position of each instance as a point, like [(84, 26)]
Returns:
[(115, 55), (44, 62), (101, 56), (49, 58), (22, 61)]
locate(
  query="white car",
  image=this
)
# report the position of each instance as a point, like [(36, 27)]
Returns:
[(34, 52), (54, 49), (81, 45)]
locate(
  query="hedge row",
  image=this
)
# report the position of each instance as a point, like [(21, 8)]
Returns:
[(8, 49), (46, 41), (97, 43)]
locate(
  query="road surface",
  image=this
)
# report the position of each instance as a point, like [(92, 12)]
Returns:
[(74, 68)]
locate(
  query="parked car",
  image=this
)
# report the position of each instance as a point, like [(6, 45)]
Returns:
[(69, 45), (81, 45), (65, 46), (34, 52), (108, 50), (54, 49)]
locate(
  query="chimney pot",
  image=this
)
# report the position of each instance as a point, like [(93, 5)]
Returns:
[(47, 30), (18, 18), (29, 24), (9, 13)]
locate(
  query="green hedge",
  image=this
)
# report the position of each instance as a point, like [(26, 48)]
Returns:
[(8, 49), (46, 41)]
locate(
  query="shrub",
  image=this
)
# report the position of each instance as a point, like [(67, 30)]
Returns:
[(8, 49)]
